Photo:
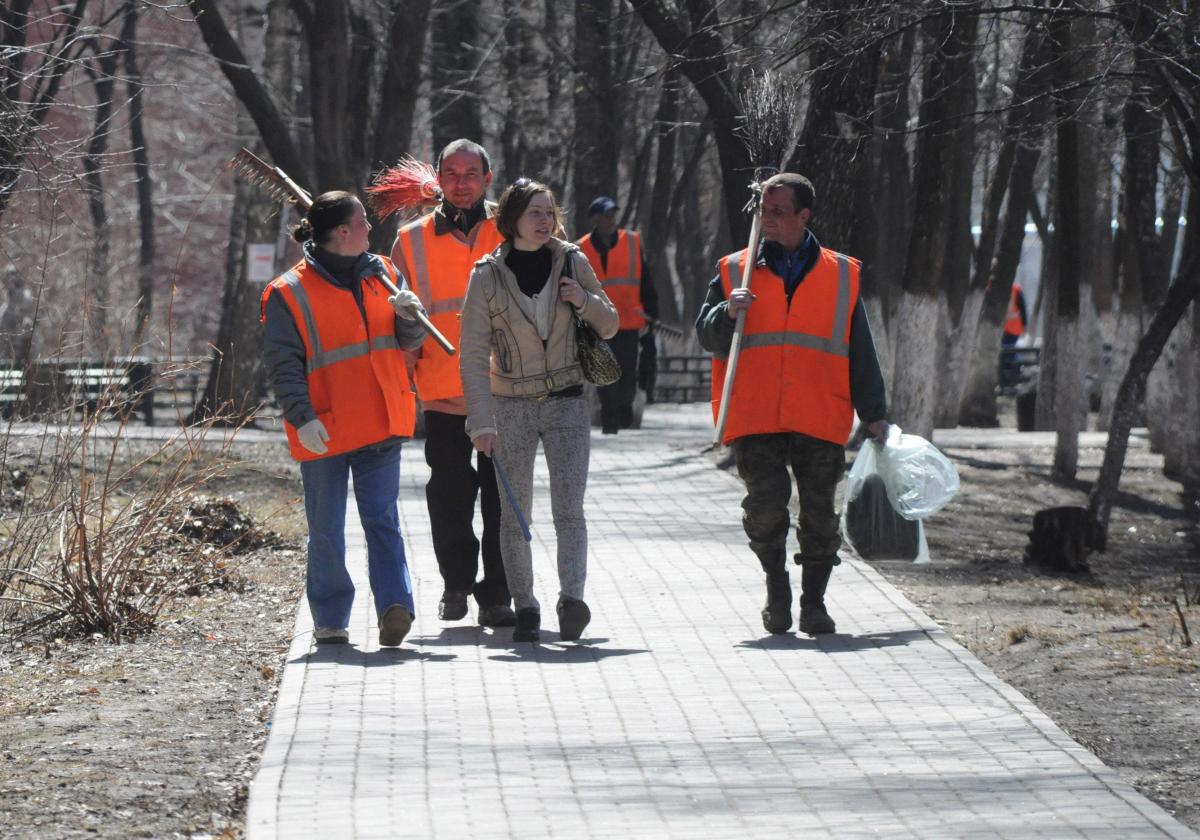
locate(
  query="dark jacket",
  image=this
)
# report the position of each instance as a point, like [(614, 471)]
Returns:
[(715, 329), (283, 348)]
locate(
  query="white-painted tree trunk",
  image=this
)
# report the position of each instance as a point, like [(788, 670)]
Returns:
[(1180, 424), (879, 332), (960, 357), (1069, 407), (915, 369)]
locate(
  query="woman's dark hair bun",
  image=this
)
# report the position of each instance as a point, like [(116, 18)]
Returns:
[(303, 231)]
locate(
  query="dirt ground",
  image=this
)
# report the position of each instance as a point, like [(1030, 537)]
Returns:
[(160, 736), (1102, 654)]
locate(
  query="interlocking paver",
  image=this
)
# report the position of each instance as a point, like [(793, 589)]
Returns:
[(676, 717)]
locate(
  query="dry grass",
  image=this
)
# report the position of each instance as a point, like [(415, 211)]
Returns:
[(98, 542)]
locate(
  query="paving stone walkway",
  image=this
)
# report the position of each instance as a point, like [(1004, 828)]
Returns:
[(677, 716)]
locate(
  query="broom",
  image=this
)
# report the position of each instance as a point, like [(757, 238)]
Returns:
[(768, 129), (276, 183)]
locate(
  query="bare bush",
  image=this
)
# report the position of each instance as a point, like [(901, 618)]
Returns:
[(105, 531)]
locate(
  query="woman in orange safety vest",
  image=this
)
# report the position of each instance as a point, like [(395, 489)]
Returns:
[(334, 343)]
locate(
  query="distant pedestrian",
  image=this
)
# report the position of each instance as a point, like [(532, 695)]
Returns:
[(523, 384), (1016, 320), (617, 259), (334, 350), (807, 364), (436, 253)]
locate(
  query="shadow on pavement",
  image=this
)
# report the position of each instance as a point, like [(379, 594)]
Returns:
[(835, 642), (550, 651), (381, 658)]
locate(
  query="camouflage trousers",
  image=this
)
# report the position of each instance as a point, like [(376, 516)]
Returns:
[(818, 465)]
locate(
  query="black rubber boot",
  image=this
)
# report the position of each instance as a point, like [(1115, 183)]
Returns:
[(814, 618), (777, 611)]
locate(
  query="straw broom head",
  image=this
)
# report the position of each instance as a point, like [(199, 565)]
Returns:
[(769, 121), (410, 184)]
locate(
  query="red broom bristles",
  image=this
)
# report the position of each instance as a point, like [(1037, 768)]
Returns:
[(410, 183)]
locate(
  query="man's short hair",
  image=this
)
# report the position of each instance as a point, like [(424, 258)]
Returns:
[(464, 145), (803, 194)]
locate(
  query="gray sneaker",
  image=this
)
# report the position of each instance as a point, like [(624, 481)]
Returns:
[(331, 635), (394, 625)]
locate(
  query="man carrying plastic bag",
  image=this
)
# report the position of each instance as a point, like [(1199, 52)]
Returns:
[(808, 363), (891, 487)]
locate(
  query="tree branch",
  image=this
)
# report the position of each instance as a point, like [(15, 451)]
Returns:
[(249, 90)]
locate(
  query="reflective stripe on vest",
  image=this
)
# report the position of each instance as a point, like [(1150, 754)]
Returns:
[(320, 358), (835, 345)]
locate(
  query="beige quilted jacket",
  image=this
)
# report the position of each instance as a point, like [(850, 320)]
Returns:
[(516, 346)]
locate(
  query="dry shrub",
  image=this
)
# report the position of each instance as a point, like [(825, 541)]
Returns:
[(103, 538)]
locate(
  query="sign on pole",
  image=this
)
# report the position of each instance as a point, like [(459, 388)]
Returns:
[(260, 262)]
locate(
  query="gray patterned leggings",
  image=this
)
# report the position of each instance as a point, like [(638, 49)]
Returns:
[(563, 426)]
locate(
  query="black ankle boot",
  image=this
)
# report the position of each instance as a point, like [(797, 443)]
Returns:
[(814, 618), (529, 622), (777, 611)]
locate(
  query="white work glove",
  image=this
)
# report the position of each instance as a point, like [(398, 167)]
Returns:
[(313, 437), (406, 303)]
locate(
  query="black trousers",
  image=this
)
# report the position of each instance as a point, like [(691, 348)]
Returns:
[(616, 400), (454, 484)]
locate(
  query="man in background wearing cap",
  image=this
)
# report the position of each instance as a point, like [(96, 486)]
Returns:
[(616, 257)]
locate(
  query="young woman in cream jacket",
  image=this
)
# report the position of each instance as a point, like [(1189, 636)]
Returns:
[(523, 384)]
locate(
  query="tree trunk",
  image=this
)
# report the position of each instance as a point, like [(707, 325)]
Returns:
[(454, 73), (1075, 203), (96, 295), (892, 193), (698, 41), (1181, 360), (237, 377), (973, 375), (1180, 295), (832, 150), (654, 231), (145, 184), (251, 92), (1139, 241), (598, 109), (948, 73), (394, 116)]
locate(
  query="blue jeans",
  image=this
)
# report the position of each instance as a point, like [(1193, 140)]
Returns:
[(376, 472)]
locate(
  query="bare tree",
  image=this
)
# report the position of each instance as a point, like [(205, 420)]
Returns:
[(102, 72), (141, 168), (1001, 236), (694, 36), (31, 77), (454, 70), (948, 91), (358, 123)]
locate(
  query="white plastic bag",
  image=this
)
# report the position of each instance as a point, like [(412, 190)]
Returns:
[(920, 480), (870, 524)]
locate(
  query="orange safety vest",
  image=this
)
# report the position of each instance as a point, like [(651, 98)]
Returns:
[(622, 280), (357, 379), (1013, 325), (440, 268), (793, 371)]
